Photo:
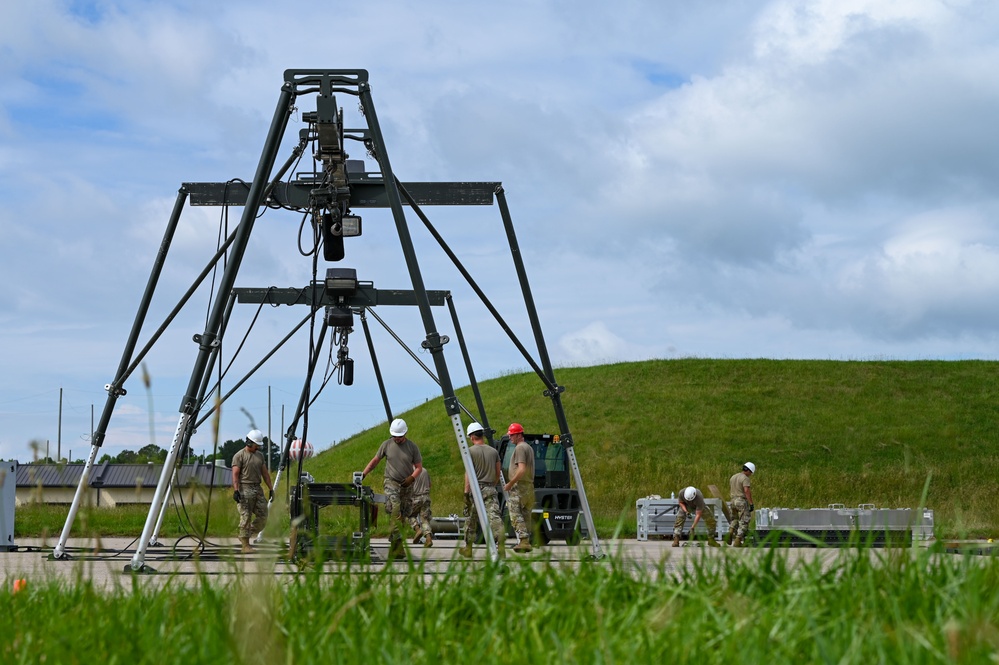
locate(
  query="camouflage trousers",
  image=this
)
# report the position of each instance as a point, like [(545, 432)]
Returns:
[(740, 516), (419, 514), (707, 516), (396, 500), (520, 502), (252, 510), (489, 497)]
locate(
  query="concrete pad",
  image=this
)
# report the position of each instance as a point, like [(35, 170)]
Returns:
[(107, 562)]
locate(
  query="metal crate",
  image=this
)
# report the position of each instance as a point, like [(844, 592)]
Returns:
[(839, 525), (656, 516)]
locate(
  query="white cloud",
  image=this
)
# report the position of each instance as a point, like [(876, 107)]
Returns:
[(934, 275), (594, 345)]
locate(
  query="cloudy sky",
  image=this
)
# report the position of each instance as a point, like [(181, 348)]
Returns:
[(735, 179)]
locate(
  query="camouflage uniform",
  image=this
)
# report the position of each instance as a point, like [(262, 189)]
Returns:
[(252, 506), (397, 499), (401, 458), (707, 516), (740, 504), (252, 511), (520, 501), (740, 516), (418, 508), (420, 514), (520, 497), (489, 497)]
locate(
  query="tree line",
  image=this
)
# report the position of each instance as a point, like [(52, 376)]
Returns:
[(156, 455)]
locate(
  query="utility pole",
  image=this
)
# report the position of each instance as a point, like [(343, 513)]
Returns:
[(270, 441), (59, 435)]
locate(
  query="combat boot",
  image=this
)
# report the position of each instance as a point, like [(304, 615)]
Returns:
[(465, 551), (731, 535), (737, 542), (419, 533), (523, 546), (712, 542), (396, 549), (428, 541), (676, 540), (245, 547), (501, 549)]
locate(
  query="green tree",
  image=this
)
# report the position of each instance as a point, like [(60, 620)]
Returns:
[(126, 457), (231, 447), (275, 453), (151, 453)]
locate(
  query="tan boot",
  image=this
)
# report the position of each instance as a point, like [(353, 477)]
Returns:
[(428, 541), (523, 546), (737, 542), (712, 542), (245, 547), (465, 551), (676, 540), (419, 532), (730, 536)]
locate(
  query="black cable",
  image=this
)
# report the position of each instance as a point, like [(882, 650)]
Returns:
[(328, 374), (223, 223), (312, 351), (301, 229), (245, 336), (278, 205)]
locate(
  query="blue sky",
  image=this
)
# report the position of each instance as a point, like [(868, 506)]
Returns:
[(772, 179)]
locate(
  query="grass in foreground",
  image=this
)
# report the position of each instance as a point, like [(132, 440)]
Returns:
[(862, 607)]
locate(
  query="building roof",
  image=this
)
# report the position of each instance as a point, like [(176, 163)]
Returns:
[(119, 475)]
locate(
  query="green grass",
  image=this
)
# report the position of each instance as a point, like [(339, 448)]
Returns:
[(820, 432), (47, 521), (861, 607)]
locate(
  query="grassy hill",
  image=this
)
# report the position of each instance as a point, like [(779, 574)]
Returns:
[(820, 432)]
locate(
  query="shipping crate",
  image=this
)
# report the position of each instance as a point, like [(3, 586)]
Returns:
[(839, 525), (656, 516)]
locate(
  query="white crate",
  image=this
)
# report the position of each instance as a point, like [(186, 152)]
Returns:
[(836, 523), (656, 516)]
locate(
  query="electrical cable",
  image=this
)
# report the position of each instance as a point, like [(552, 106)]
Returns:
[(246, 336), (223, 223), (312, 351), (301, 229)]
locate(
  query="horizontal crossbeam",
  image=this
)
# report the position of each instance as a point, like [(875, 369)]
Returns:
[(317, 295), (365, 193)]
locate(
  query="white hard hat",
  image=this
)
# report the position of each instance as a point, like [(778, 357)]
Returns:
[(750, 467), (473, 428), (689, 493), (256, 436), (398, 427)]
